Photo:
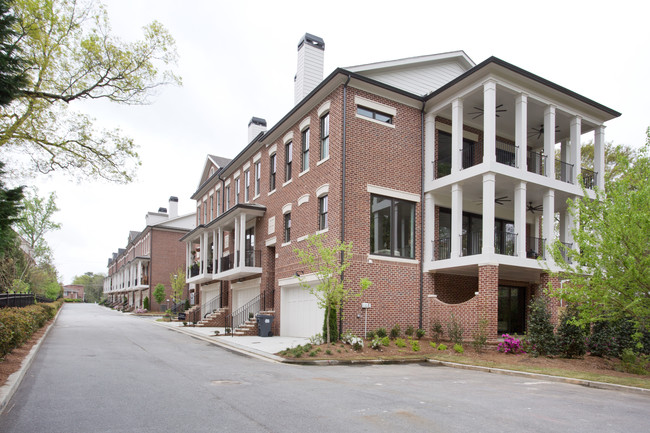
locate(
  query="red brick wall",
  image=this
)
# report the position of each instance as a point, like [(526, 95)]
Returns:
[(167, 255)]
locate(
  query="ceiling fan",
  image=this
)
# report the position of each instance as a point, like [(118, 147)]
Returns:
[(533, 209), (498, 200), (540, 131), (479, 111)]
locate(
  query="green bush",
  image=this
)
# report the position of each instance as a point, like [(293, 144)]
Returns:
[(399, 342), (571, 338), (612, 338), (420, 333), (381, 332), (455, 330), (458, 348), (415, 345), (145, 303), (18, 324), (442, 347), (634, 363), (385, 341), (436, 330), (409, 331), (371, 335), (334, 334), (433, 344), (395, 331), (480, 336), (540, 338)]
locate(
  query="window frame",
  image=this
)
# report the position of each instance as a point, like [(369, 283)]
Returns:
[(227, 197), (304, 161), (273, 160), (287, 227), (247, 185), (394, 247), (323, 212), (288, 160), (325, 136), (237, 191), (373, 114), (258, 175)]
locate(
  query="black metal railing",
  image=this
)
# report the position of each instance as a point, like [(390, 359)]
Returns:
[(471, 243), (441, 167), (506, 153), (227, 262), (564, 250), (536, 162), (261, 302), (471, 154), (588, 178), (253, 258), (505, 243), (441, 249), (178, 308), (535, 247), (563, 171), (16, 299), (194, 270), (211, 306)]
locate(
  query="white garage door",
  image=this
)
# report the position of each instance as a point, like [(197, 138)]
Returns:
[(301, 316), (244, 292)]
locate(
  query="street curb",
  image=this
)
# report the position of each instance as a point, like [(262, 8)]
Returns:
[(573, 381), (14, 380)]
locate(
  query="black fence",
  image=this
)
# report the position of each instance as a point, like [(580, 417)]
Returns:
[(17, 299)]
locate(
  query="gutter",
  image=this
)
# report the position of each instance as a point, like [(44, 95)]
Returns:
[(343, 147), (422, 215)]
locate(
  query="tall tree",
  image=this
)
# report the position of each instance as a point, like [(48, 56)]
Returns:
[(93, 285), (36, 221), (615, 157), (10, 209), (609, 275), (13, 77), (71, 56), (177, 281)]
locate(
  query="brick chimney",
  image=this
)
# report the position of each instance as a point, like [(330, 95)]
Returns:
[(311, 55)]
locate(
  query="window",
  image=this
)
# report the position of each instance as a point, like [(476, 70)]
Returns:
[(374, 114), (258, 173), (304, 162), (237, 190), (198, 214), (287, 227), (288, 158), (247, 185), (205, 212), (322, 213), (218, 202), (211, 207), (325, 136), (272, 168), (392, 227), (227, 194)]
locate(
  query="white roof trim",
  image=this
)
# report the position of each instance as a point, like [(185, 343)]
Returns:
[(460, 55)]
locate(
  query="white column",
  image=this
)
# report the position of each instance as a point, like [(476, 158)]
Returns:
[(235, 243), (566, 224), (456, 135), (188, 258), (214, 251), (429, 227), (429, 147), (219, 249), (549, 140), (489, 123), (456, 219), (599, 156), (204, 253), (521, 126), (488, 213), (575, 158), (520, 219), (242, 239), (548, 225)]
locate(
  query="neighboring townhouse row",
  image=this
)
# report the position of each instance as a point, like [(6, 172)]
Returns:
[(443, 174), (150, 257)]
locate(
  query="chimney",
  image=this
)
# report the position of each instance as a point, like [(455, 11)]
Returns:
[(173, 207), (255, 126), (162, 210), (311, 53)]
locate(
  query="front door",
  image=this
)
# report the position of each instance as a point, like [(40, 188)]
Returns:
[(512, 310)]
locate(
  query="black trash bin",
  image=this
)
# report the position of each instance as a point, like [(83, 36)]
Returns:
[(264, 322)]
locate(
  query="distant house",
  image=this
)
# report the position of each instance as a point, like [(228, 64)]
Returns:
[(73, 291), (149, 257)]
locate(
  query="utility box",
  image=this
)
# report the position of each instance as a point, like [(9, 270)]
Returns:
[(264, 322), (365, 305)]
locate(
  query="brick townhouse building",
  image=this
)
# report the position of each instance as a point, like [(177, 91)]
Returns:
[(447, 176), (149, 258)]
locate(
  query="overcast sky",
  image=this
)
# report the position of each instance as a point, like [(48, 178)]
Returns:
[(238, 60)]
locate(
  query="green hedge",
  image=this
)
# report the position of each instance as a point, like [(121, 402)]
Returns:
[(18, 324)]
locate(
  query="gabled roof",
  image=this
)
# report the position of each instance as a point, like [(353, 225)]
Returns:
[(212, 161)]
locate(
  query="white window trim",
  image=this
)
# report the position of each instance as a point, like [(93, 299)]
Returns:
[(236, 174), (256, 197), (324, 108), (393, 193), (393, 259), (322, 190), (286, 208), (285, 244), (303, 172), (302, 238), (272, 149), (270, 241), (257, 157), (271, 192), (323, 160), (304, 124), (325, 230), (390, 125), (303, 199), (227, 183), (246, 166), (287, 182), (386, 109), (288, 137)]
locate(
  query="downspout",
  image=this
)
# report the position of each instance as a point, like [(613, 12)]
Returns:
[(343, 151), (422, 144)]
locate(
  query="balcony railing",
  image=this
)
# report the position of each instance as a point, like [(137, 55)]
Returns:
[(262, 302), (535, 247), (536, 162), (506, 153), (564, 250), (588, 178), (471, 243), (563, 171), (227, 262), (471, 154), (253, 258), (504, 243), (441, 249), (194, 270), (441, 167)]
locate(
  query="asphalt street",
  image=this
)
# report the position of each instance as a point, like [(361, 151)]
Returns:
[(102, 371)]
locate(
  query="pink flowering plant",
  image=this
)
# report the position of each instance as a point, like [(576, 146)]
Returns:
[(511, 344)]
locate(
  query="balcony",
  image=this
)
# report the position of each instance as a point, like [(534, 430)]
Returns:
[(471, 243), (589, 178), (472, 154), (564, 250), (506, 153), (535, 247), (232, 269), (563, 171), (441, 167), (441, 249), (536, 163)]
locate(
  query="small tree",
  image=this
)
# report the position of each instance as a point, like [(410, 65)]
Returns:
[(159, 293), (145, 303), (177, 281), (328, 263), (571, 337), (540, 329)]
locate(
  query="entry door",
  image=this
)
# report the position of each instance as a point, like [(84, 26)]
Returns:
[(512, 310)]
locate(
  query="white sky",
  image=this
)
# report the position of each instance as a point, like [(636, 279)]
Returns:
[(238, 60)]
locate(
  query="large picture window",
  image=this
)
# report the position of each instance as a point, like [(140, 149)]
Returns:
[(392, 227)]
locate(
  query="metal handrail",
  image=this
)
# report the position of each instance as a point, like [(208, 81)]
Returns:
[(211, 306), (242, 314), (535, 247), (537, 162), (441, 249), (589, 178), (506, 153), (441, 167), (565, 173)]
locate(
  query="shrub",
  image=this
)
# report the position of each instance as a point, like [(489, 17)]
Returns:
[(409, 331), (571, 338), (458, 348), (395, 331), (145, 303), (376, 343), (371, 335), (334, 330), (328, 352), (540, 329), (381, 332), (442, 347), (433, 344), (436, 329), (357, 344), (415, 345), (480, 336), (399, 342), (420, 333), (634, 363), (510, 344), (187, 304), (317, 339), (18, 324), (455, 330), (385, 341), (611, 338)]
